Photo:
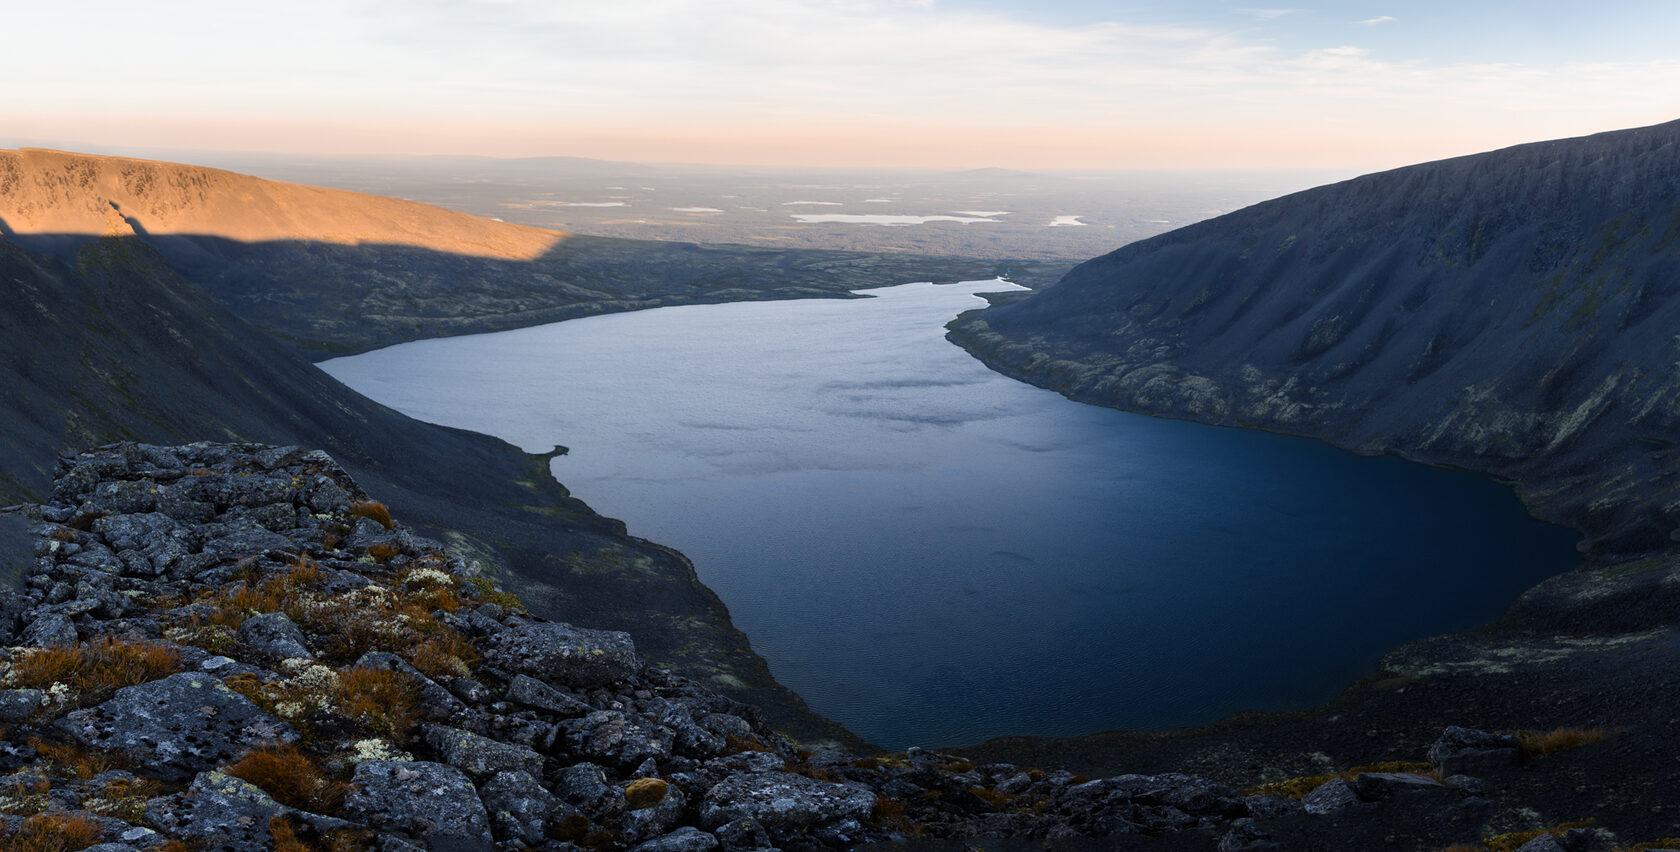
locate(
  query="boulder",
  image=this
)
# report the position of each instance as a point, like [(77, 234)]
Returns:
[(1332, 795), (1467, 751), (685, 839), (782, 802), (179, 726), (520, 809), (533, 693), (53, 630), (273, 633), (427, 802), (1376, 786), (481, 757), (564, 655)]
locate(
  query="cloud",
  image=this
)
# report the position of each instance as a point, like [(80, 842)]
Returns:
[(1271, 14), (1380, 19)]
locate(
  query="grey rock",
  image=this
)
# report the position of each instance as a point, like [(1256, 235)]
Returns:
[(1467, 751), (564, 655), (17, 705), (325, 497), (125, 498), (1272, 806), (428, 802), (618, 738), (274, 633), (1467, 785), (1333, 795), (584, 786), (218, 809), (246, 537), (742, 834), (783, 802), (685, 839), (53, 630), (1376, 786), (1246, 835), (647, 823), (1544, 843), (178, 726), (480, 757), (520, 808), (531, 692)]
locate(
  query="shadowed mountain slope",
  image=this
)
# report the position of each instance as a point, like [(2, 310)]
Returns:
[(1513, 312)]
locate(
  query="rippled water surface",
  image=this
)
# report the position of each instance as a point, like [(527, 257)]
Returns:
[(934, 554)]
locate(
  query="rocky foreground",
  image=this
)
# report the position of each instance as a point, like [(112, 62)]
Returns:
[(230, 646)]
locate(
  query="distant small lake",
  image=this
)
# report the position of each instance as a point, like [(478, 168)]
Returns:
[(933, 554)]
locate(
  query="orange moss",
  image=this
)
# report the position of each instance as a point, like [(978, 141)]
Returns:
[(54, 833), (290, 777), (374, 510), (645, 793), (95, 669)]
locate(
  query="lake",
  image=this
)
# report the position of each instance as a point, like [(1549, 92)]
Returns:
[(933, 554)]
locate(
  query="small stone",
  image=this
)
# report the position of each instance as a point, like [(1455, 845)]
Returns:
[(782, 801), (531, 692)]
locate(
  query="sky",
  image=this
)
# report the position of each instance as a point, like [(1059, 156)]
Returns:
[(1080, 84)]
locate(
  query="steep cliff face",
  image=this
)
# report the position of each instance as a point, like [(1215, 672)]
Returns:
[(1514, 312), (116, 346)]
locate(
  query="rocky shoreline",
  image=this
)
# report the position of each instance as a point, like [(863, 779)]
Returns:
[(232, 646)]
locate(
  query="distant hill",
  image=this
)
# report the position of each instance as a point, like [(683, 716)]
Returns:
[(1514, 312), (335, 272)]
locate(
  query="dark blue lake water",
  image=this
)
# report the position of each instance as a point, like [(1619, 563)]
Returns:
[(934, 554)]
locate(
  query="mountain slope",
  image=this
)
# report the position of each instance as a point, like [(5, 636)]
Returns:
[(1511, 312), (117, 346)]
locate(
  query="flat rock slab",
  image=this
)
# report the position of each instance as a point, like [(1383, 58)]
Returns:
[(562, 654), (481, 757), (780, 801), (179, 726), (427, 802)]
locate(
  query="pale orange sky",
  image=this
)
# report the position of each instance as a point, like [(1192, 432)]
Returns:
[(916, 83)]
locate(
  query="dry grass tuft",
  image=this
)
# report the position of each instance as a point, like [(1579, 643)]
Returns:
[(486, 591), (64, 534), (1533, 745), (25, 795), (380, 701), (54, 833), (374, 510), (95, 669), (383, 552), (444, 656), (73, 760), (290, 777)]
